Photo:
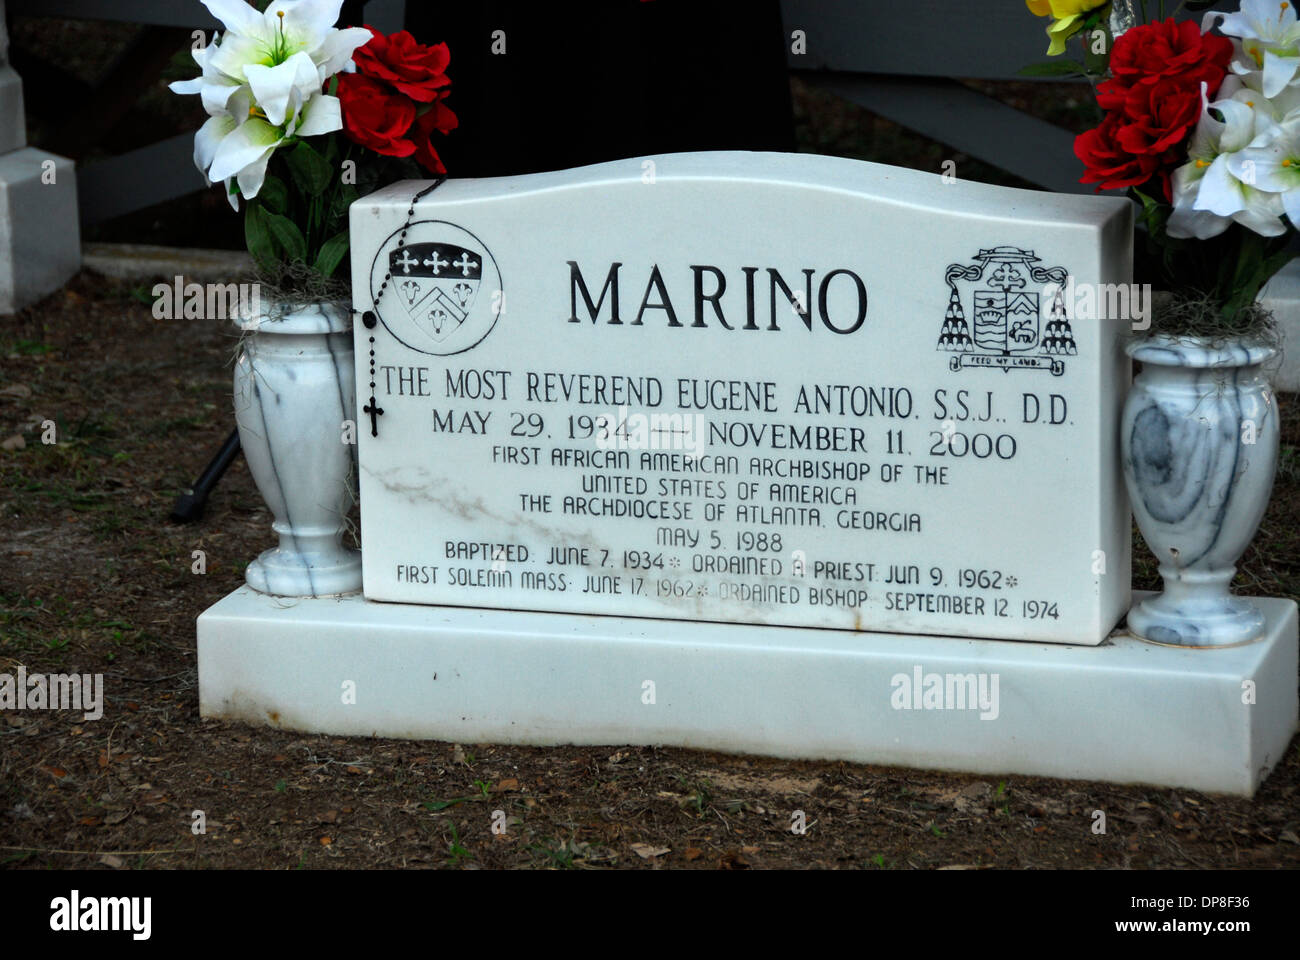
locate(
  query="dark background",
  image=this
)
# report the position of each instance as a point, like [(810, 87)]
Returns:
[(587, 82), (580, 82)]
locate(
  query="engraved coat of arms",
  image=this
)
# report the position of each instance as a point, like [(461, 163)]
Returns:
[(995, 314), (436, 284)]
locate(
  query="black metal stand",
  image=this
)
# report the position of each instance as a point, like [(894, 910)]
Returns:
[(189, 505)]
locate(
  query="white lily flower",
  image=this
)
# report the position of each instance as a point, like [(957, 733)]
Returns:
[(1272, 163), (286, 28), (242, 152), (1207, 195), (1270, 39), (214, 132), (281, 89), (1278, 106), (213, 86), (261, 84)]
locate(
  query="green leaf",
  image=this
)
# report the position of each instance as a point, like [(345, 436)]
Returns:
[(274, 194), (1256, 263), (338, 211), (331, 254), (287, 235), (311, 172), (1053, 68), (1155, 215), (1096, 63), (258, 235), (1150, 204)]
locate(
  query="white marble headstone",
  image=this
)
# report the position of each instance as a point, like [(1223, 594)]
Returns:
[(760, 388)]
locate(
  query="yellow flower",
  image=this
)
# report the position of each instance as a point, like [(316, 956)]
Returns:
[(1068, 18), (1063, 8)]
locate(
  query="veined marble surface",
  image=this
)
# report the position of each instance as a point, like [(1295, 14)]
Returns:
[(298, 319), (1200, 440), (294, 394)]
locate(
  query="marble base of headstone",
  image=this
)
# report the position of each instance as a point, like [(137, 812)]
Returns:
[(40, 238), (1126, 711)]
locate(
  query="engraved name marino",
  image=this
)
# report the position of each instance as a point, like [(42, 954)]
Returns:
[(808, 301)]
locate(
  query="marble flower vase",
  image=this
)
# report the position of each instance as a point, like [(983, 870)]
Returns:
[(295, 405), (1199, 446)]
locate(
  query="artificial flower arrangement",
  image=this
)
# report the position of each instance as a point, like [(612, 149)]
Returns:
[(1203, 129), (303, 119)]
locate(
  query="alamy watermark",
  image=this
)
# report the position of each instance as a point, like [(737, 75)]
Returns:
[(75, 913), (620, 430), (53, 691), (1103, 301), (946, 691), (179, 300)]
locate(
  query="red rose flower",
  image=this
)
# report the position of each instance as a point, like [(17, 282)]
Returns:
[(374, 116), (440, 118), (411, 68), (1148, 53), (1107, 163)]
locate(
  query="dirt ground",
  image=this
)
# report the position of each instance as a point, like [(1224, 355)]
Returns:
[(92, 580)]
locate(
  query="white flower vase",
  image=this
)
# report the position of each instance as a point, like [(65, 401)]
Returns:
[(1199, 445), (294, 390)]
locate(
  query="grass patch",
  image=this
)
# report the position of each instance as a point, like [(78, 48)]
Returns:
[(27, 348)]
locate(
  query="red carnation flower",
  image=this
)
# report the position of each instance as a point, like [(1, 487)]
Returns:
[(374, 116), (410, 67)]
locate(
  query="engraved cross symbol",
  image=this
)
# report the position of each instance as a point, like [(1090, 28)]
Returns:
[(407, 261), (436, 262), (1005, 278), (375, 411), (465, 264)]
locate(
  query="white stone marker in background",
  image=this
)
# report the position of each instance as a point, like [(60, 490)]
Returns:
[(13, 119), (40, 233), (756, 388), (1282, 296)]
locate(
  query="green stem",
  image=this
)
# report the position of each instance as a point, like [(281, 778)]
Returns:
[(338, 180)]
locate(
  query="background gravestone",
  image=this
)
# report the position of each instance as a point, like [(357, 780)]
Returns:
[(40, 238), (13, 133)]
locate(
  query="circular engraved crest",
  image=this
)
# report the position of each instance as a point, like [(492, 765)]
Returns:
[(445, 291)]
